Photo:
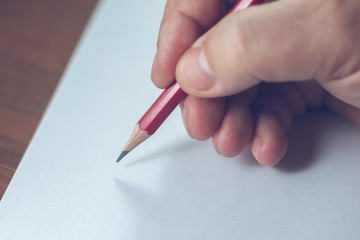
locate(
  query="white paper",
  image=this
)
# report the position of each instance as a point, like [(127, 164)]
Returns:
[(68, 185)]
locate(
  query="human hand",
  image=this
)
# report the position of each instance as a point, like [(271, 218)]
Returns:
[(257, 69)]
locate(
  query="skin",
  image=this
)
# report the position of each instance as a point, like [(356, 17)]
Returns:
[(250, 74)]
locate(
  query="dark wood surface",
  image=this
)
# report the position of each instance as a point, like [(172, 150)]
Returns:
[(37, 38)]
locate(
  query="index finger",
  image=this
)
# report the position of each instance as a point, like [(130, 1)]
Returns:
[(184, 21)]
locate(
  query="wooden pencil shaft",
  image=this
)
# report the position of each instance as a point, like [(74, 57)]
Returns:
[(242, 4), (161, 108)]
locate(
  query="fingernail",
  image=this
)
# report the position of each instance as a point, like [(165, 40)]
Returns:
[(204, 63), (259, 150), (183, 111), (154, 65), (256, 149), (194, 70), (185, 116)]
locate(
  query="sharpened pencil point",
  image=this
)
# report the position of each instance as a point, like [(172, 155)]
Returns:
[(123, 154)]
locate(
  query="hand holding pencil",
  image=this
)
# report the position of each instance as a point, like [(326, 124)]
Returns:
[(165, 103), (256, 70)]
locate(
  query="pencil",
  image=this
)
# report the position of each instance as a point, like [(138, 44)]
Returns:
[(165, 104)]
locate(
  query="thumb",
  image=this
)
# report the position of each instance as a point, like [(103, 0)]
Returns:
[(274, 42)]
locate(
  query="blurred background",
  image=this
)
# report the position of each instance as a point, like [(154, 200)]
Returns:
[(37, 38)]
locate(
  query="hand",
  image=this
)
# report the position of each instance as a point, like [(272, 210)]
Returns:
[(257, 69)]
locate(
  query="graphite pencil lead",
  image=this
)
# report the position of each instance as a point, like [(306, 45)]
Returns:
[(123, 154)]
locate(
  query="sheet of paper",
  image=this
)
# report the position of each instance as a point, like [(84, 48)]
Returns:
[(68, 185)]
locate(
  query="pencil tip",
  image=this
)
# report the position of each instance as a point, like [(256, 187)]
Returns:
[(123, 154)]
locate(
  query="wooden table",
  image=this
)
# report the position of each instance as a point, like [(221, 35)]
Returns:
[(37, 38)]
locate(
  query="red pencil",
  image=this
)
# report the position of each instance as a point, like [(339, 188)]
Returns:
[(165, 104)]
